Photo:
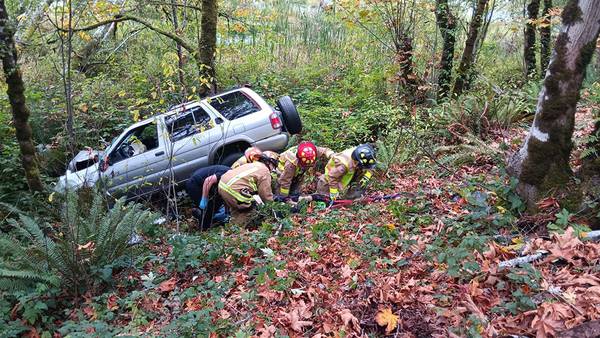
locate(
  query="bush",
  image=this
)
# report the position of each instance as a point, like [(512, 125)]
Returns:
[(77, 252)]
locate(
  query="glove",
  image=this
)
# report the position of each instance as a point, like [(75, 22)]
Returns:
[(333, 196), (364, 181), (279, 198), (203, 203)]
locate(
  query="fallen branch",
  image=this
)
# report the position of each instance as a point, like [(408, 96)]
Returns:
[(522, 260)]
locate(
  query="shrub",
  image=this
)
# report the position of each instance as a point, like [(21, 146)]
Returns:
[(84, 245)]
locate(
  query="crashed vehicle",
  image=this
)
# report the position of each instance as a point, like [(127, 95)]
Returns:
[(166, 149)]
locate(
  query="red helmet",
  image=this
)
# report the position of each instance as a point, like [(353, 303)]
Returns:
[(307, 154)]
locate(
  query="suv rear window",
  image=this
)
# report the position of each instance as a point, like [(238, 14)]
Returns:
[(234, 105)]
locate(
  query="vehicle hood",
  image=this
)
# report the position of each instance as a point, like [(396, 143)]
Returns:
[(87, 161)]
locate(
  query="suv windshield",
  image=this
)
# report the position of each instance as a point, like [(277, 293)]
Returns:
[(234, 105)]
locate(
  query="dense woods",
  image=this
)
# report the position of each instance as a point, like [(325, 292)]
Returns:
[(416, 168)]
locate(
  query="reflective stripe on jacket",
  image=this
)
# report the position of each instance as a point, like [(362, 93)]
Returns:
[(247, 180), (241, 161), (342, 169)]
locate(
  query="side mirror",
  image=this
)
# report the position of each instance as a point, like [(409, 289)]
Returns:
[(218, 120)]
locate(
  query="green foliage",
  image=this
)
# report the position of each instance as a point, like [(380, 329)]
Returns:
[(522, 281), (79, 251)]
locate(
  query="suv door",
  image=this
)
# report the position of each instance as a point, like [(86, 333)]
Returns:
[(191, 133), (137, 161)]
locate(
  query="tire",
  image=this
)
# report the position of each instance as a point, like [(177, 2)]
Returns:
[(291, 118), (230, 158)]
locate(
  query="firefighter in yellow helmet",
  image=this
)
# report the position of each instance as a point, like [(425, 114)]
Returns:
[(246, 186), (251, 155), (351, 166), (294, 162)]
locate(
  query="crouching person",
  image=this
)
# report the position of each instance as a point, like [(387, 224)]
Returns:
[(203, 190), (245, 186), (348, 173), (252, 155), (294, 163)]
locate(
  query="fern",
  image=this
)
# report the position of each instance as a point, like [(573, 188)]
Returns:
[(85, 240), (468, 151)]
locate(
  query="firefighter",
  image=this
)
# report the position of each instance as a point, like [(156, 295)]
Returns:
[(246, 186), (251, 155), (293, 163), (350, 167), (203, 191)]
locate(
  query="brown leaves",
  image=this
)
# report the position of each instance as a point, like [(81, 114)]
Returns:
[(349, 320), (168, 285), (111, 302), (386, 318), (296, 317)]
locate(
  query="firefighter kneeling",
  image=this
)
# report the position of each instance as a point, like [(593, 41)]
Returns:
[(245, 186), (351, 167), (294, 163)]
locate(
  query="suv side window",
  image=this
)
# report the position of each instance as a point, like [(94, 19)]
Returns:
[(137, 141), (188, 123), (234, 105)]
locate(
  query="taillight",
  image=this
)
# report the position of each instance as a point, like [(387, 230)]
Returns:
[(275, 121)]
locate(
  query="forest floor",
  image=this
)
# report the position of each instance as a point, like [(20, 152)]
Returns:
[(424, 265)]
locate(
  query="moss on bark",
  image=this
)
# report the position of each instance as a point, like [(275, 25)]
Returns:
[(571, 13), (16, 96)]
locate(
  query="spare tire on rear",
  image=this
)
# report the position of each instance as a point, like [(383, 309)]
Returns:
[(291, 118)]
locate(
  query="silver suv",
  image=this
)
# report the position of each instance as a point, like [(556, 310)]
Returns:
[(167, 148)]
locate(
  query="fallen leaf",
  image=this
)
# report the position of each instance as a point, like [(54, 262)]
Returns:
[(296, 323), (388, 319), (348, 318), (111, 302), (167, 285)]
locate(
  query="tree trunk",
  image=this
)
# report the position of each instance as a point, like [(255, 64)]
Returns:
[(545, 38), (447, 24), (179, 48), (466, 61), (404, 58), (542, 164), (16, 96), (529, 45), (208, 47)]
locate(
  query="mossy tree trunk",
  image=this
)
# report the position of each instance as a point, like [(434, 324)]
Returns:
[(208, 47), (466, 61), (545, 38), (529, 39), (16, 96), (447, 25), (542, 163), (404, 58)]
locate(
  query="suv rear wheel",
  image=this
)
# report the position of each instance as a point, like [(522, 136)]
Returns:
[(291, 118)]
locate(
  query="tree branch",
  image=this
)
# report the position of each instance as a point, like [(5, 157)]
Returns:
[(120, 18)]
